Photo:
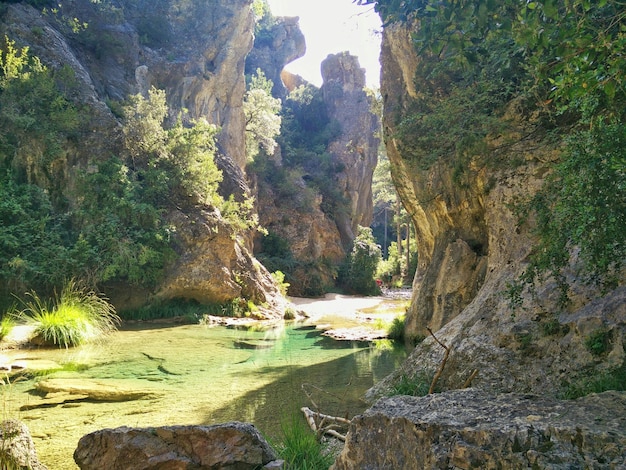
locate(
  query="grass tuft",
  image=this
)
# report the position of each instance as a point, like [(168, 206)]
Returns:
[(614, 379), (300, 448), (416, 386), (76, 316), (6, 325)]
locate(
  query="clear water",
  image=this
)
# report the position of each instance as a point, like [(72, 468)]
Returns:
[(201, 375)]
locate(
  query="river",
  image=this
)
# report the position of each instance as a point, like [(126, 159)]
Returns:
[(202, 375)]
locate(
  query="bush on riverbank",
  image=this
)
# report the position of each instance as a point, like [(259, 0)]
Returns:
[(76, 316)]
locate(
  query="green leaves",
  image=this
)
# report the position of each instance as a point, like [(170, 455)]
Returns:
[(358, 273), (581, 207), (263, 118)]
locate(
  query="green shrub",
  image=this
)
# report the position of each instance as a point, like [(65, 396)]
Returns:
[(78, 315), (416, 386), (290, 314), (358, 273), (396, 329), (279, 278), (614, 379), (551, 327), (598, 342)]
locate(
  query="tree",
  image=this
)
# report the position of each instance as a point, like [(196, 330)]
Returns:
[(262, 113), (358, 275)]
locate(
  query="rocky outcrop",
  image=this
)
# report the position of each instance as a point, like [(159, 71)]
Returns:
[(317, 226), (230, 445), (98, 390), (274, 47), (472, 429), (18, 451), (449, 219), (356, 149)]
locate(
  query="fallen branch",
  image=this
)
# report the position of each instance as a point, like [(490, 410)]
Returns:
[(321, 429), (431, 390)]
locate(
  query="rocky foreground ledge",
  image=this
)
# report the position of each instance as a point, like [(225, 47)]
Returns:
[(473, 429)]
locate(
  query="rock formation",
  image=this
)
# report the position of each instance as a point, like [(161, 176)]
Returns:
[(196, 53), (471, 429), (356, 149), (230, 445), (452, 236), (471, 247), (322, 236), (279, 45)]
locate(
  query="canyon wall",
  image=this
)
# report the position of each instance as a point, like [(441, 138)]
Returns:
[(472, 247), (356, 148), (195, 52)]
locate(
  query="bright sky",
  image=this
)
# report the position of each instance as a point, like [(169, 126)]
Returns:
[(332, 26)]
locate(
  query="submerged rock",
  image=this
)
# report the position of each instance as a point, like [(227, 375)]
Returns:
[(473, 429), (101, 390), (231, 445)]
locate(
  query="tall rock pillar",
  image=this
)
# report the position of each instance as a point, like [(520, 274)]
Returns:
[(356, 149)]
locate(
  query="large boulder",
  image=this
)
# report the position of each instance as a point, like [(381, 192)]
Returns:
[(472, 429), (232, 445)]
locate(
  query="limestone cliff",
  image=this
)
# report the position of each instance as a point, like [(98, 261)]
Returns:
[(320, 199), (196, 52), (276, 46), (356, 149), (471, 247)]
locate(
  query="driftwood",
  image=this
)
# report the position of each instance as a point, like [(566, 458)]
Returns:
[(322, 428)]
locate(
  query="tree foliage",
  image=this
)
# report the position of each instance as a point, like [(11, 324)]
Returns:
[(108, 224), (582, 208), (358, 274), (263, 118)]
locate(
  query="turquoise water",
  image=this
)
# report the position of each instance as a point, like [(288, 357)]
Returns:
[(201, 375)]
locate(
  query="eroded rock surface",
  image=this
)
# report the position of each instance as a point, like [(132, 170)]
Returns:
[(231, 445), (280, 45), (18, 451), (473, 429), (100, 390), (472, 246), (356, 149)]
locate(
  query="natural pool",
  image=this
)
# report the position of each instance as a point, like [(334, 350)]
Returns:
[(201, 375)]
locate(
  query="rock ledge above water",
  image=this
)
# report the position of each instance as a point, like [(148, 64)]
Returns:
[(473, 429)]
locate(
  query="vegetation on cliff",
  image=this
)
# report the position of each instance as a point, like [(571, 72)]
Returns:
[(305, 171), (109, 224), (557, 66)]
